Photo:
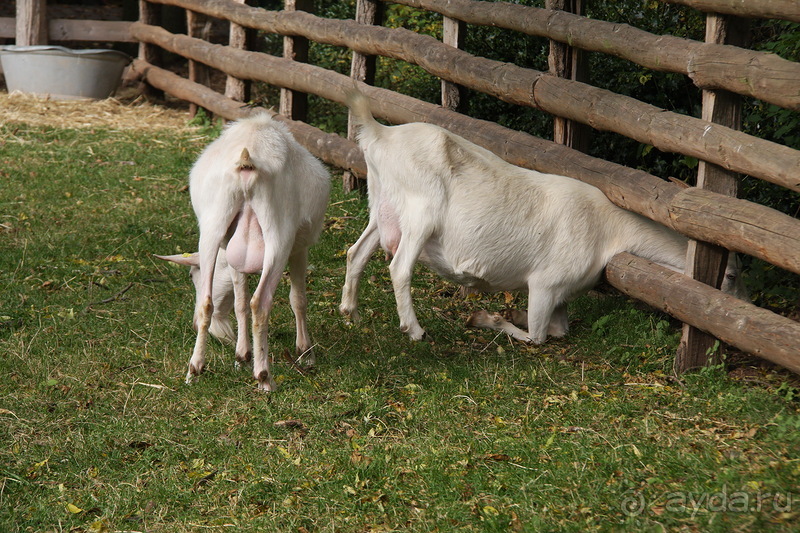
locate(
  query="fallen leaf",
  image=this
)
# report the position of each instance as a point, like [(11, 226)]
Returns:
[(291, 424)]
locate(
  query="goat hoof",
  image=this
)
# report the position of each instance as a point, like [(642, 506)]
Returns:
[(265, 381), (350, 314), (415, 334), (194, 371), (305, 358), (242, 360)]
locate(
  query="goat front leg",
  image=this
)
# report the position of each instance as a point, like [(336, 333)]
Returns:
[(260, 307), (558, 326), (298, 263), (541, 305), (241, 307), (482, 319), (358, 256)]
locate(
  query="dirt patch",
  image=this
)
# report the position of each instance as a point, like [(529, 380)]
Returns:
[(123, 114)]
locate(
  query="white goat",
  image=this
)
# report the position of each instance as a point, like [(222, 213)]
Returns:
[(260, 202), (482, 222)]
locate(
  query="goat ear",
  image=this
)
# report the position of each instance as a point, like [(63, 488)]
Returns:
[(182, 259)]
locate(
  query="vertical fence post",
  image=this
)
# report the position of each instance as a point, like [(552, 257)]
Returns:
[(31, 25), (150, 14), (198, 26), (240, 38), (568, 62), (362, 68), (453, 33), (706, 262), (294, 104)]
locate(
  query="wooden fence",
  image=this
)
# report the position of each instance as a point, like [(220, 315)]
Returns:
[(708, 213)]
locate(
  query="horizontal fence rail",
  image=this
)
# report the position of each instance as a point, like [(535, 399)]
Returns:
[(77, 30), (769, 9)]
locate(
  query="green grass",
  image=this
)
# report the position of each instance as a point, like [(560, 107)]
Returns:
[(468, 432)]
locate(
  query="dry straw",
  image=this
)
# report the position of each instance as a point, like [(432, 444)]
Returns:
[(137, 114)]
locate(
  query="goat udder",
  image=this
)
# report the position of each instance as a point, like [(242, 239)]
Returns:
[(245, 251), (389, 228)]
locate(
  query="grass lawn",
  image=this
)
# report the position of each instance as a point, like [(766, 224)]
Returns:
[(469, 432)]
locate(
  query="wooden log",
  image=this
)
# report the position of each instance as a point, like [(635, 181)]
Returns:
[(749, 228), (736, 224), (295, 104), (31, 22), (150, 13), (243, 39), (768, 9), (101, 31), (198, 26), (706, 262), (711, 66), (670, 132), (327, 146), (598, 108), (362, 68), (454, 32), (741, 324), (567, 62)]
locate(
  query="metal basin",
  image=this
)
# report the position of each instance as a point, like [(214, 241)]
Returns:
[(62, 73)]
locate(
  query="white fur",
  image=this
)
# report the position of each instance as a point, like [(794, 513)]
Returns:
[(260, 202), (482, 222)]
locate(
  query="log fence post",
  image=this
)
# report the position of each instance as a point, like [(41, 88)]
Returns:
[(568, 62), (199, 27), (706, 262), (453, 33), (150, 14), (240, 38), (31, 24), (362, 68), (294, 105)]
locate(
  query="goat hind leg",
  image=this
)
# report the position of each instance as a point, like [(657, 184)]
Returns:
[(209, 246), (298, 262), (559, 323), (244, 354), (358, 256), (260, 307), (401, 270)]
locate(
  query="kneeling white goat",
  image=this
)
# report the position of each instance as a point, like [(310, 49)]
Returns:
[(484, 223)]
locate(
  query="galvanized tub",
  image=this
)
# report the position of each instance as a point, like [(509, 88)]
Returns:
[(62, 73)]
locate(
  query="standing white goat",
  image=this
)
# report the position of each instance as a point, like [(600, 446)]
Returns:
[(260, 202), (482, 222)]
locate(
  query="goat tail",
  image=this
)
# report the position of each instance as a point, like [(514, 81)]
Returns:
[(360, 112)]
